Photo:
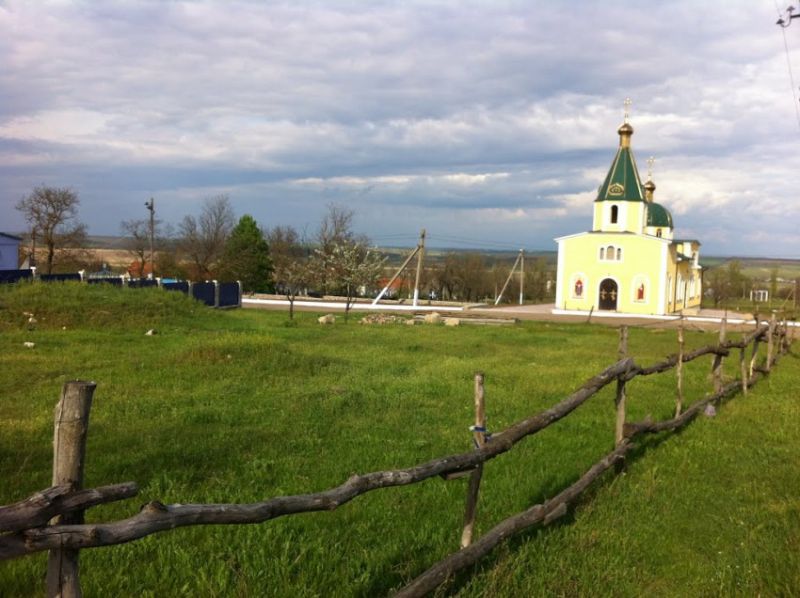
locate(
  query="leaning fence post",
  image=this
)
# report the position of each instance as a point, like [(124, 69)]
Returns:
[(770, 340), (754, 354), (479, 433), (679, 372), (619, 402), (69, 449), (716, 368), (743, 366)]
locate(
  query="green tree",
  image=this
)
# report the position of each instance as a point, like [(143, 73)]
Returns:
[(246, 257), (773, 283)]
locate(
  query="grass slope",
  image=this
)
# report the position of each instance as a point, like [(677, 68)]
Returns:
[(239, 406)]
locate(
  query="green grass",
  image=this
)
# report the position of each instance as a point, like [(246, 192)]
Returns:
[(238, 406)]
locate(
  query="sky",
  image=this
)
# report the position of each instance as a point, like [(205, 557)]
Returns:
[(490, 124)]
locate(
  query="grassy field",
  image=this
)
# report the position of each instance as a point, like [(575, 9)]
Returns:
[(240, 406)]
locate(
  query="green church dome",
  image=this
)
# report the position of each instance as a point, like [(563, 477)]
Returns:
[(658, 215), (622, 182)]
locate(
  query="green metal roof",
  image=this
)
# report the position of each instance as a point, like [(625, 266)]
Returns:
[(658, 215), (622, 182)]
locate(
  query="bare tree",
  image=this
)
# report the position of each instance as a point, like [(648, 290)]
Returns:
[(51, 213), (335, 227), (291, 271), (203, 238), (137, 242)]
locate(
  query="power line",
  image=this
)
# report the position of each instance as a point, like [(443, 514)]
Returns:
[(789, 62)]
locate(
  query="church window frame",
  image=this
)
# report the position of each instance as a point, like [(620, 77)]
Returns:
[(614, 217), (610, 253)]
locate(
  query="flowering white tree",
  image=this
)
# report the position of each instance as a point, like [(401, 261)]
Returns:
[(345, 266)]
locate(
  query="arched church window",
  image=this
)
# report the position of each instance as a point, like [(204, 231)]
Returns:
[(610, 252), (602, 253), (619, 253), (658, 232), (614, 214)]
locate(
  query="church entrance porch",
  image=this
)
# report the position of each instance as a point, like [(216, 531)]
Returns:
[(608, 294)]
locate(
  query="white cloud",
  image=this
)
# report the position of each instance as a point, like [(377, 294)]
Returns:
[(501, 114)]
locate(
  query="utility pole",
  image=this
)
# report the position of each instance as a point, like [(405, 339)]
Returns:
[(521, 274), (510, 275), (418, 250), (33, 246), (420, 256), (150, 205)]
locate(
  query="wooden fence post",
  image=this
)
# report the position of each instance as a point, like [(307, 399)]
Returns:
[(754, 354), (770, 341), (619, 402), (479, 433), (716, 368), (743, 367), (69, 449), (679, 372)]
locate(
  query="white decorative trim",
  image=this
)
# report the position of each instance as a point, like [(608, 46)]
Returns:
[(560, 274), (662, 295)]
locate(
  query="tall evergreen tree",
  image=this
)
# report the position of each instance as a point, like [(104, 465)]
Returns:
[(246, 257)]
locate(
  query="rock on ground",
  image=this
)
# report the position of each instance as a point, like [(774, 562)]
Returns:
[(433, 318)]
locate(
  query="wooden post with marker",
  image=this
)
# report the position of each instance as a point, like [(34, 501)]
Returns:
[(479, 434), (619, 401), (679, 372), (716, 367), (771, 341), (69, 450)]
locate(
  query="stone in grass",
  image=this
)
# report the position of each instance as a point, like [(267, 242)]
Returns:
[(29, 344), (452, 322), (411, 322), (433, 318), (327, 319), (710, 410), (151, 332)]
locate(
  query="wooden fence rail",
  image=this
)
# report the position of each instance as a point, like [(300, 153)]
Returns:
[(24, 529)]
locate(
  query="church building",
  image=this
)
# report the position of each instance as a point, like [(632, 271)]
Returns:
[(630, 261)]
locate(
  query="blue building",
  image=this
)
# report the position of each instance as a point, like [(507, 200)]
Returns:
[(9, 251)]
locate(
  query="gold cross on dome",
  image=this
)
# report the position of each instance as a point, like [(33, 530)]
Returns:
[(650, 161), (627, 104)]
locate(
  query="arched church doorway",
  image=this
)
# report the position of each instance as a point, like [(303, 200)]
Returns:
[(608, 294)]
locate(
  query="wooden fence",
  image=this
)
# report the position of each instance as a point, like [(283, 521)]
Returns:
[(52, 519)]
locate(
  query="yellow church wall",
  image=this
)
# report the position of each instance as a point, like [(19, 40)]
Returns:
[(641, 262), (630, 216), (685, 286)]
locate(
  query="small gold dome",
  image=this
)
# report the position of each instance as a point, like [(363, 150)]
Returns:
[(625, 132), (650, 186), (625, 129)]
